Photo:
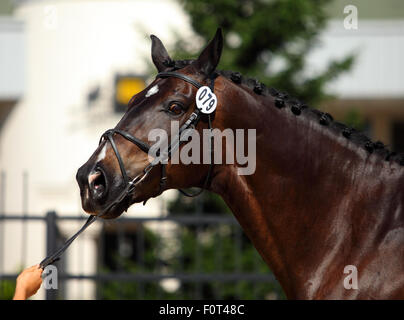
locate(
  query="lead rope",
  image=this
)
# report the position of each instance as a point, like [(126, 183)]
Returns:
[(129, 187), (56, 255)]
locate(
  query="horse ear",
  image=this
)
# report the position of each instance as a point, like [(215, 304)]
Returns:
[(159, 54), (210, 56)]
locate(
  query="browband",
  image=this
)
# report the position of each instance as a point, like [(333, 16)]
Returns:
[(179, 76)]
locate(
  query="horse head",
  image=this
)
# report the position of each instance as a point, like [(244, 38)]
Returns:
[(121, 171)]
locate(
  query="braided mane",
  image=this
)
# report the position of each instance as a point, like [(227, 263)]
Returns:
[(299, 108)]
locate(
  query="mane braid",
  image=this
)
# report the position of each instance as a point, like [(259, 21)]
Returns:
[(297, 107)]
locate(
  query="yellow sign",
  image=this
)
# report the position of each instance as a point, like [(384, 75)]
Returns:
[(127, 87)]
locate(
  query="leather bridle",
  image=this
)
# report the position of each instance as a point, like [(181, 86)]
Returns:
[(162, 158)]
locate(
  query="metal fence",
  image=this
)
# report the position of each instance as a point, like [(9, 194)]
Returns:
[(208, 259), (179, 256)]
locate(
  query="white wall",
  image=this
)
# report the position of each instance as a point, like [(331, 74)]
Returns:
[(378, 71), (11, 58)]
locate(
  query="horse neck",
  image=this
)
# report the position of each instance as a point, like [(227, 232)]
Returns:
[(295, 207)]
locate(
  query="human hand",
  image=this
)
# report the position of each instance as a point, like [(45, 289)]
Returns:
[(28, 283)]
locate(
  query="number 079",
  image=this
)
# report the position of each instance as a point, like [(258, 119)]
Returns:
[(206, 100)]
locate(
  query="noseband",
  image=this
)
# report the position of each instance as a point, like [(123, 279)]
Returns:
[(164, 156)]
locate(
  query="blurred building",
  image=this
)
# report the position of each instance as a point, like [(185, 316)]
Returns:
[(374, 88), (61, 62)]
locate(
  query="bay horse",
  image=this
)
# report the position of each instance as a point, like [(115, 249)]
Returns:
[(323, 196)]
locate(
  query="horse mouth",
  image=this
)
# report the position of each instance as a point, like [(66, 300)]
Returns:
[(107, 210)]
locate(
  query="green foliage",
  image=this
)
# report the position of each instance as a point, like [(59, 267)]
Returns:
[(260, 34), (215, 250), (354, 119), (209, 250), (206, 203), (136, 290), (7, 288)]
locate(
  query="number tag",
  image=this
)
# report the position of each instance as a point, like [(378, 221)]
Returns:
[(206, 100)]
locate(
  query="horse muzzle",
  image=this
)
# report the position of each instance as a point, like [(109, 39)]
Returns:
[(94, 187)]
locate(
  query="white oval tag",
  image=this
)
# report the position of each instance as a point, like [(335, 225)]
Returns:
[(206, 100)]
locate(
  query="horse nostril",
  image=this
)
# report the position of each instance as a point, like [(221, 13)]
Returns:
[(97, 183)]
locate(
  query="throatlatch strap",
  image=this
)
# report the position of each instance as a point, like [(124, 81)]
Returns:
[(208, 176)]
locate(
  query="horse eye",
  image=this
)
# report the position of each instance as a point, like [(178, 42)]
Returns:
[(175, 108)]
